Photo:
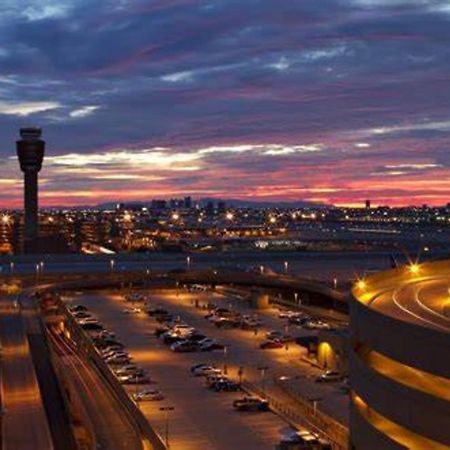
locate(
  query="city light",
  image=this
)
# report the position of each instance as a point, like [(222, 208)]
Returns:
[(230, 216), (175, 216), (6, 219)]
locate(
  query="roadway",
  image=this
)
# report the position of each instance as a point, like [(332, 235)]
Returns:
[(24, 420), (423, 300), (317, 265), (213, 425)]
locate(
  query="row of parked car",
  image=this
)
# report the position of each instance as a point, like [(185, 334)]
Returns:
[(114, 354), (228, 318), (215, 380), (180, 336), (303, 320)]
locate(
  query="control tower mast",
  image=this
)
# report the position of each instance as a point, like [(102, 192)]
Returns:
[(30, 150)]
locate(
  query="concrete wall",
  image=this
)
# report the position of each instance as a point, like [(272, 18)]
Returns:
[(415, 346)]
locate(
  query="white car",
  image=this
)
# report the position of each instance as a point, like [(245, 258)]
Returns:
[(148, 395), (206, 371), (127, 368)]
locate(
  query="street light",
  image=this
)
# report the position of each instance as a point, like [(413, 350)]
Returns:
[(263, 370), (296, 298), (225, 351), (111, 265), (11, 267), (335, 283), (414, 268), (286, 266), (188, 262)]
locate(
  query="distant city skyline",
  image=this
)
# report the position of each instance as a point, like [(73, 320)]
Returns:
[(333, 102)]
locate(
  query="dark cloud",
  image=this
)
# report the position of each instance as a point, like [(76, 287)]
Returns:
[(105, 75)]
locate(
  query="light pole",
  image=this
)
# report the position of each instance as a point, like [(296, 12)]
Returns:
[(263, 370), (225, 351), (111, 265), (41, 267), (167, 409), (11, 268), (286, 267), (188, 262), (335, 283), (296, 298), (37, 272)]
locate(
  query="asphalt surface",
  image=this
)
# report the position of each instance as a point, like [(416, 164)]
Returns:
[(424, 302), (203, 419), (24, 421)]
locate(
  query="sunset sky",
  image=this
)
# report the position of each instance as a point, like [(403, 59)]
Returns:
[(333, 101)]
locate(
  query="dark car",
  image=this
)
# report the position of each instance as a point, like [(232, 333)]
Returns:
[(92, 326), (225, 386), (271, 344), (78, 308), (184, 347), (251, 404)]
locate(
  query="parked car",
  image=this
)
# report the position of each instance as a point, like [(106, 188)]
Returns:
[(204, 371), (316, 325), (117, 360), (91, 326), (251, 404), (271, 344), (77, 308), (184, 347), (209, 345), (225, 385), (329, 376), (148, 395), (81, 314), (127, 368), (137, 379), (196, 366)]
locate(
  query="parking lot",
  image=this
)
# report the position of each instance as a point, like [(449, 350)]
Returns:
[(201, 418)]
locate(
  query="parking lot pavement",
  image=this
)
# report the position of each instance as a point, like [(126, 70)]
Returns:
[(243, 349), (201, 419)]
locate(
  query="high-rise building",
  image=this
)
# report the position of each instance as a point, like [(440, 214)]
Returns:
[(30, 150)]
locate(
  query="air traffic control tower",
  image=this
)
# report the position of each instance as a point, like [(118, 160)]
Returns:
[(30, 150)]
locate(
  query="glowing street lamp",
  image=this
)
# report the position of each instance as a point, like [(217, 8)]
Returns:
[(361, 284), (6, 219), (286, 266), (11, 267), (230, 216), (335, 283), (272, 219), (175, 216), (111, 265), (414, 268)]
